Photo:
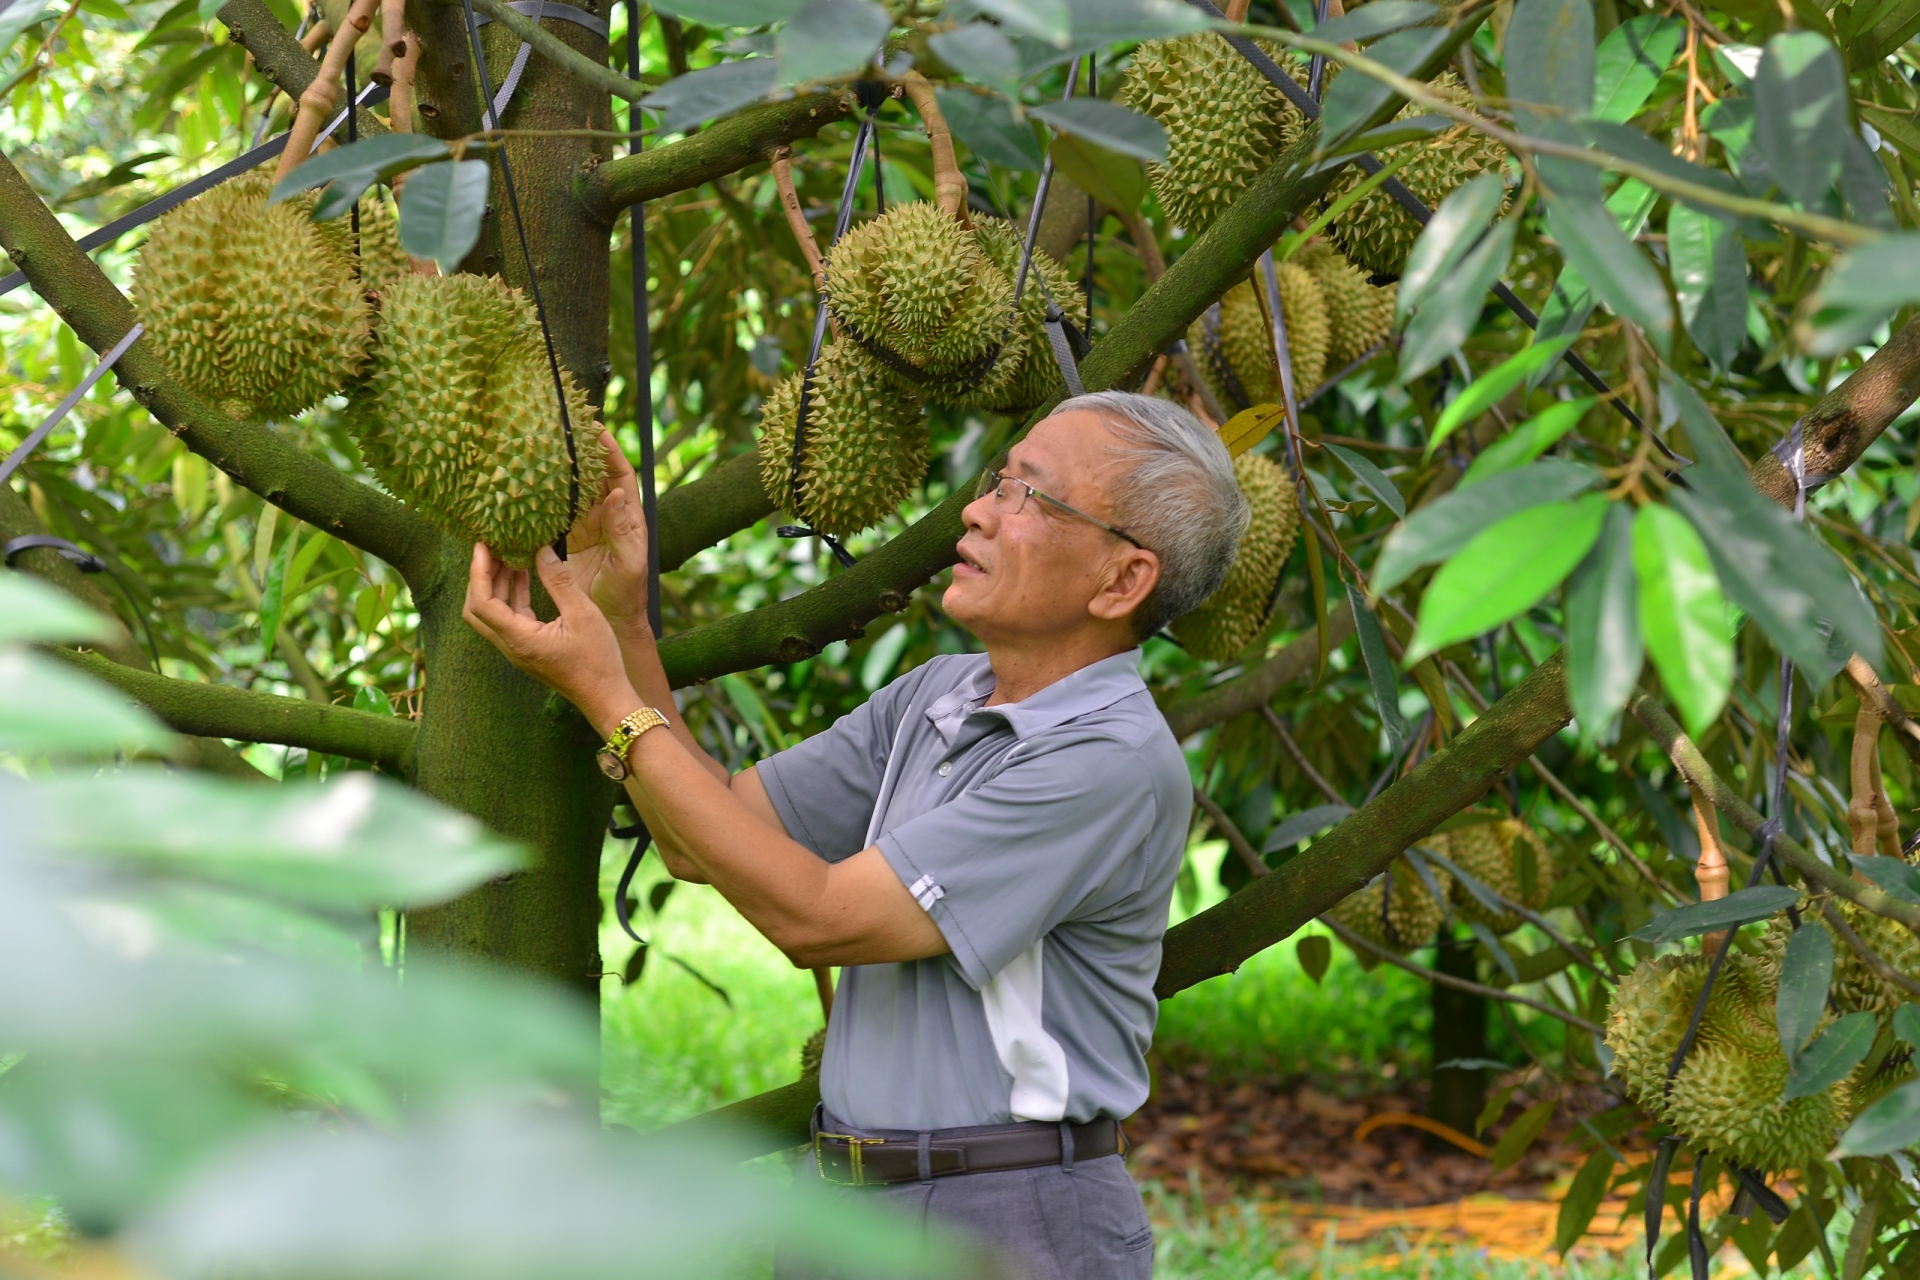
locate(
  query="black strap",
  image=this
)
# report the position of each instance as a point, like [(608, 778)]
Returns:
[(86, 562), (491, 120), (1656, 1206), (642, 339), (641, 837)]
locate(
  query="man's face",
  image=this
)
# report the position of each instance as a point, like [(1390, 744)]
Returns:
[(1034, 573)]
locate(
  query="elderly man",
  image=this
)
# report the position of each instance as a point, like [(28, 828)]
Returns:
[(987, 846)]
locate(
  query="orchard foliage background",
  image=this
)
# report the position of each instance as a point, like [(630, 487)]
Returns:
[(1713, 206)]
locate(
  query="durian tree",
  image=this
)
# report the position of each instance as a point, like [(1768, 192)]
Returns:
[(1565, 348)]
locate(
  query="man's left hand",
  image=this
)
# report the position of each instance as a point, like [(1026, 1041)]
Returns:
[(576, 654)]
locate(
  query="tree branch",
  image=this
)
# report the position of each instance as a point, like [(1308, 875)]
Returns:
[(721, 148), (220, 711), (1256, 687), (557, 51), (291, 479), (279, 56), (1838, 429), (722, 502)]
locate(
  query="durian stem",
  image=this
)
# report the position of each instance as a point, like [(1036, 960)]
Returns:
[(1869, 816), (1236, 10), (400, 96), (317, 100), (1711, 872), (1872, 693), (316, 36), (782, 162), (949, 184), (393, 39)]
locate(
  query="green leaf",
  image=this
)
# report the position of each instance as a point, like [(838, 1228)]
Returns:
[(1522, 1133), (1109, 125), (1906, 1024), (1451, 309), (46, 708), (1308, 822), (1486, 390), (1743, 906), (359, 165), (1315, 953), (982, 53), (1380, 673), (828, 39), (1863, 289), (440, 211), (730, 13), (711, 92), (373, 700), (1116, 181), (1889, 1125), (1683, 615), (1619, 272), (302, 564), (1528, 440), (1805, 974), (1631, 144), (369, 607), (1604, 651), (32, 611), (1895, 877), (1790, 583), (1372, 20), (1800, 113), (1352, 101), (273, 592), (883, 655), (1549, 58), (1897, 127), (988, 128), (1048, 20), (1448, 523), (1709, 264), (1827, 1060), (1505, 571), (1629, 63), (1371, 478), (1456, 226), (1588, 1189), (18, 17)]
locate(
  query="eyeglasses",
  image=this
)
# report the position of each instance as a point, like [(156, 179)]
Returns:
[(1010, 494)]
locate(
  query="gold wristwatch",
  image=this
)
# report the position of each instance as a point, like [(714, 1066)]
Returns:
[(613, 756)]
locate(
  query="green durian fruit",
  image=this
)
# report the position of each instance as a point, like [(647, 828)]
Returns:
[(252, 306), (1359, 314), (1225, 123), (1234, 615), (1234, 348), (1026, 373), (866, 446), (1856, 987), (457, 415), (916, 289), (381, 259), (1376, 233), (1507, 858), (812, 1052), (1400, 920)]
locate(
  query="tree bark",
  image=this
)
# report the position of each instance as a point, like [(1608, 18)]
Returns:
[(1838, 429), (1457, 1094)]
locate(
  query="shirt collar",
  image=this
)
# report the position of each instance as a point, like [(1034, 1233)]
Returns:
[(1091, 688)]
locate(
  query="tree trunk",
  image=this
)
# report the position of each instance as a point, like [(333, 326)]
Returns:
[(1459, 1031)]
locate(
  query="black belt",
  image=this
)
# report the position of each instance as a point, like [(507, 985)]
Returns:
[(855, 1160)]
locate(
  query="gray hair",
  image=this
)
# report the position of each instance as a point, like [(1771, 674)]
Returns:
[(1179, 498)]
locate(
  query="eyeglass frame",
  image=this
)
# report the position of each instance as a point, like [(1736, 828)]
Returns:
[(998, 478)]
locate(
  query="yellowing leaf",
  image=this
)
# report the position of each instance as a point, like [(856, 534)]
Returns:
[(1250, 426)]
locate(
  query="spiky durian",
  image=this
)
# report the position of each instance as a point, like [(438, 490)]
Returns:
[(1730, 1093), (865, 449), (457, 415), (1376, 233), (1235, 614), (1225, 123), (1359, 314), (1026, 372), (380, 259), (1507, 858), (1234, 347), (1856, 987), (917, 290), (1396, 910), (251, 305)]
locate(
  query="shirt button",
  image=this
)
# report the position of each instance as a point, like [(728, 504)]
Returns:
[(946, 767)]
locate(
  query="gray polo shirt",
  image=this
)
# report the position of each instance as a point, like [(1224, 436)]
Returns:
[(1043, 838)]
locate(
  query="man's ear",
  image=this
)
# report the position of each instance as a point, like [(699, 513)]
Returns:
[(1129, 579)]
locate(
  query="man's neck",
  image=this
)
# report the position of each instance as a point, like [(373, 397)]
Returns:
[(1020, 671)]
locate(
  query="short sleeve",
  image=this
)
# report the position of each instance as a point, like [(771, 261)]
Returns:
[(1060, 831), (824, 788)]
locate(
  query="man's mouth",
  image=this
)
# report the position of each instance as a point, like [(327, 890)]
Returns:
[(968, 562)]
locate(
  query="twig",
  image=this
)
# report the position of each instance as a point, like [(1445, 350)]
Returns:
[(1300, 760), (1359, 943), (1232, 833), (949, 184), (393, 39), (782, 161)]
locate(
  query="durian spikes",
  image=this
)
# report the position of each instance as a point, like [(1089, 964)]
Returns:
[(917, 290), (317, 100), (1506, 857), (1234, 615), (457, 415), (254, 307), (949, 183), (1234, 346), (1395, 911), (866, 445), (1359, 315)]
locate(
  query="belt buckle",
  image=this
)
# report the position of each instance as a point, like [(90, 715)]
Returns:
[(855, 1161)]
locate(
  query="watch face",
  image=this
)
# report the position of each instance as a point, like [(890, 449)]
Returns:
[(613, 766)]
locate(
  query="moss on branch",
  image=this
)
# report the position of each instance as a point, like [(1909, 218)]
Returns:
[(219, 711), (293, 480), (1257, 686), (703, 512)]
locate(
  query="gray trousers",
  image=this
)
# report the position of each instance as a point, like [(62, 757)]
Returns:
[(1084, 1222)]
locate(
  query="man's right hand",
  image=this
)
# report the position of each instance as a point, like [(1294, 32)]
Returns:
[(607, 547)]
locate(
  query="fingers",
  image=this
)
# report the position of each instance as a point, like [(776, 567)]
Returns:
[(621, 477), (486, 609), (557, 576)]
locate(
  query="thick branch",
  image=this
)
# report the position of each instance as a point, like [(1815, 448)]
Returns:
[(714, 152), (1850, 417), (1256, 687), (219, 711), (777, 1117), (1693, 766), (278, 56), (567, 58), (722, 502), (293, 480)]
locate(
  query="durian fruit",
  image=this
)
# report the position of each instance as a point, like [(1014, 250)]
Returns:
[(866, 446), (252, 306), (1401, 919), (1232, 616), (1235, 346), (1856, 987), (1507, 858), (1026, 373), (1376, 233), (812, 1052), (1225, 123), (1359, 314), (1730, 1094), (381, 260), (457, 415), (917, 290)]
